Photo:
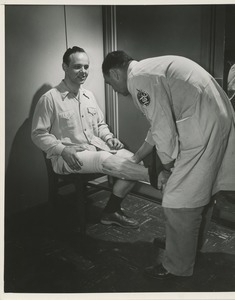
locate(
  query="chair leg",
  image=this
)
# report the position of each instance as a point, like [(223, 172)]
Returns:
[(53, 190), (55, 211), (81, 205)]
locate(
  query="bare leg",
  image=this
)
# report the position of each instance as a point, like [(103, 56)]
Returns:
[(123, 168), (120, 190), (122, 187), (113, 213), (118, 165)]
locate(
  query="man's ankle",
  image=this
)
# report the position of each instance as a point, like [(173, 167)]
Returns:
[(113, 204)]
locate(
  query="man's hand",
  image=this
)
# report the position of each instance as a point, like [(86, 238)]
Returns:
[(135, 159), (70, 157), (114, 144), (162, 179)]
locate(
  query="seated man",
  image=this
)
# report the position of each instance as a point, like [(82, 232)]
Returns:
[(69, 126)]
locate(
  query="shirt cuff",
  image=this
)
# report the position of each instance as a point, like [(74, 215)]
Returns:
[(149, 139), (165, 159), (108, 136), (58, 149)]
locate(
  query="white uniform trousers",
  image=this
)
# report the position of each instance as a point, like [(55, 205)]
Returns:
[(186, 230)]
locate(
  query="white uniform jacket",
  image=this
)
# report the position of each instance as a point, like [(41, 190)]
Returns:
[(192, 122)]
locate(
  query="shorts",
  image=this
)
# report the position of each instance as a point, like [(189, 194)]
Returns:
[(92, 161)]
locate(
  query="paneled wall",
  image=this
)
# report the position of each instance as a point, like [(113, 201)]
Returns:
[(35, 40)]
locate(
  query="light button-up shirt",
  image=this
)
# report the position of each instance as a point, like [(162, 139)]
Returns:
[(62, 119)]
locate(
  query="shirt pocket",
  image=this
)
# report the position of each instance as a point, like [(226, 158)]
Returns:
[(91, 111), (67, 120), (92, 116), (190, 134)]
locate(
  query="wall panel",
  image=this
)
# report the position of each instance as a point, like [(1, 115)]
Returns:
[(35, 40), (87, 32)]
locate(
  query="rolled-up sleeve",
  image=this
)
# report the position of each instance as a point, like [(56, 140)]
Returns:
[(149, 138)]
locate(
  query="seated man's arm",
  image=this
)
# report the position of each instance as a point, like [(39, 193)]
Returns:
[(41, 126), (45, 140), (70, 157)]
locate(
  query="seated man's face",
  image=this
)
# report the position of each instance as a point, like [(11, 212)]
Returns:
[(78, 68)]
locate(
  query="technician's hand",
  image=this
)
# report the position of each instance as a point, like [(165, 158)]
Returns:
[(114, 144), (70, 157), (135, 159), (162, 179)]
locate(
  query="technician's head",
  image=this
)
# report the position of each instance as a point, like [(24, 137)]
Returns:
[(114, 69)]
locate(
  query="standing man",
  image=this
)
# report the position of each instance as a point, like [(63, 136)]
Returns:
[(69, 126), (231, 84), (192, 128)]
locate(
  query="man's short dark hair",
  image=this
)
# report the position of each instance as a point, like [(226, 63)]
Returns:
[(116, 59), (69, 51)]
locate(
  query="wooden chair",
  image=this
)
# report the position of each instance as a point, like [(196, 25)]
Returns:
[(79, 181)]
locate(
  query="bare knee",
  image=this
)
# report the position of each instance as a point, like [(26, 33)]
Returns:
[(124, 169), (114, 165)]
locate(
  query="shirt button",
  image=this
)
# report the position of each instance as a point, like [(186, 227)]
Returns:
[(82, 116), (84, 129)]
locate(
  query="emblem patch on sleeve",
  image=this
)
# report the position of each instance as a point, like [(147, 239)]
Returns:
[(143, 97)]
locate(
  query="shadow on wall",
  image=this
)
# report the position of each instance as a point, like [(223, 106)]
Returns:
[(26, 177)]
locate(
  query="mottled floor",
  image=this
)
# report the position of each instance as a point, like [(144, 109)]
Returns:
[(45, 256)]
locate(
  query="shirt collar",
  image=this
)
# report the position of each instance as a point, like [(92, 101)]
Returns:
[(131, 65), (64, 91), (129, 70)]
